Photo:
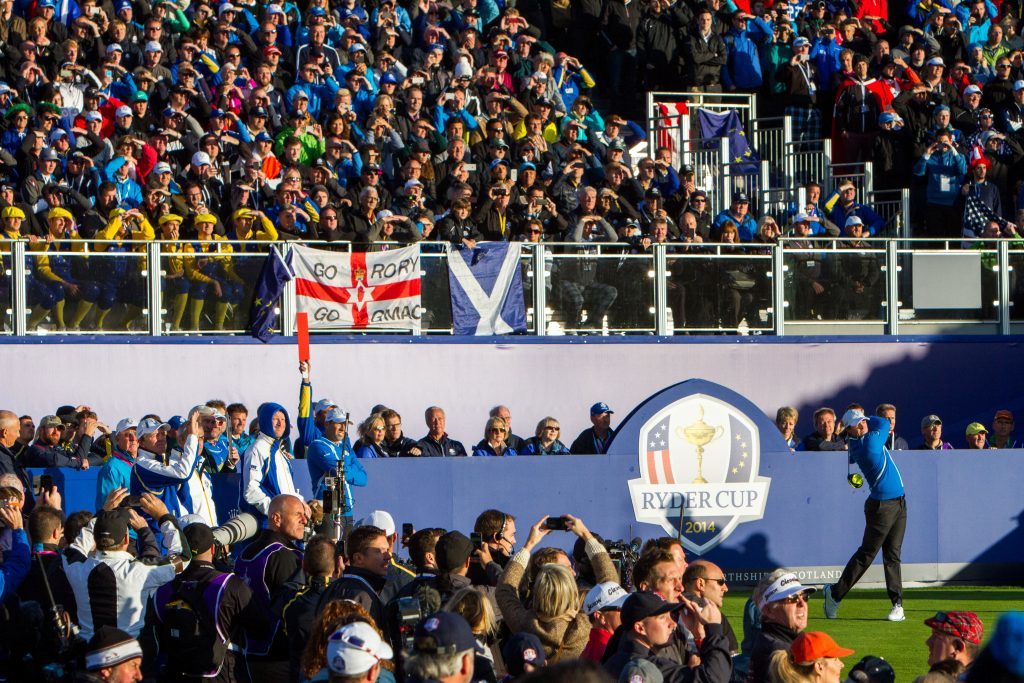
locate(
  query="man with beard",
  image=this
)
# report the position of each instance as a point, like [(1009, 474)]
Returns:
[(47, 450)]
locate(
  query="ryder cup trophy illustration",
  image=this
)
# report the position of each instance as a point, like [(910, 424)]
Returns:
[(700, 434)]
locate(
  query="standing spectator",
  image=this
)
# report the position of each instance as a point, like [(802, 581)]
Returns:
[(799, 78), (325, 454), (48, 451), (783, 607), (931, 432), (707, 581), (824, 437), (266, 466), (619, 22), (858, 104), (894, 442), (595, 439), (369, 557), (603, 604), (704, 54), (301, 598), (116, 473), (1002, 431), (747, 33), (976, 436), (945, 168), (812, 656)]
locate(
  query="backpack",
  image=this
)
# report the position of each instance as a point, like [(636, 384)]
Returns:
[(187, 612)]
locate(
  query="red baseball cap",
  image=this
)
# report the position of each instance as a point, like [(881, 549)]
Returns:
[(1004, 415), (812, 645), (964, 625)]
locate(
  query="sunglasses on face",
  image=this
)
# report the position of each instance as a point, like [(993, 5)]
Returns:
[(794, 599)]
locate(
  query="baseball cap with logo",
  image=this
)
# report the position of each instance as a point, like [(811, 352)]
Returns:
[(641, 671), (111, 525), (783, 587), (929, 420), (336, 415), (199, 536), (600, 408), (125, 424), (355, 649), (976, 428), (607, 595), (522, 649), (812, 645), (444, 633), (149, 425), (324, 404), (964, 625), (853, 417), (200, 159)]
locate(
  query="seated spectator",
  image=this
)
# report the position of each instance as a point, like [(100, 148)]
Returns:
[(739, 215), (931, 431), (824, 437), (595, 440), (493, 444), (545, 440), (371, 443), (1002, 431), (843, 204), (894, 442), (396, 444), (812, 656), (976, 436), (436, 443), (785, 420)]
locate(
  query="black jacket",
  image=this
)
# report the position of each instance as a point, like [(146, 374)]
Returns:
[(715, 665), (298, 615), (770, 639), (360, 586), (586, 443), (703, 59)]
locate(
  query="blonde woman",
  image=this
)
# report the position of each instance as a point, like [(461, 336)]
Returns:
[(493, 444), (372, 441), (545, 440), (812, 658), (553, 611), (475, 607)]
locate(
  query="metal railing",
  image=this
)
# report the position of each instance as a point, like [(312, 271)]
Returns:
[(822, 286)]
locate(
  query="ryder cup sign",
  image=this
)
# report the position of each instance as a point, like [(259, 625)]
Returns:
[(698, 462)]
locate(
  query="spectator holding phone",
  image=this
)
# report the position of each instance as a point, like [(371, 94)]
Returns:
[(553, 612)]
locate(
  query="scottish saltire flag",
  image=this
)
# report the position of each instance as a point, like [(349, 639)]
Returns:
[(487, 289), (269, 286), (714, 125)]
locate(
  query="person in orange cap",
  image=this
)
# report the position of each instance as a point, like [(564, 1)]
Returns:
[(813, 657)]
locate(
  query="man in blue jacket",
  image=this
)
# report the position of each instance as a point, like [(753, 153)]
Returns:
[(945, 168), (885, 512), (743, 69)]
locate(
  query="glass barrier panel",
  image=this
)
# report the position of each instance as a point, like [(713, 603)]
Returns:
[(73, 291), (1016, 259), (845, 284), (948, 286), (717, 289), (435, 291), (601, 290), (6, 288), (207, 291), (529, 281)]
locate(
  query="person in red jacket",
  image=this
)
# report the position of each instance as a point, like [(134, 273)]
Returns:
[(603, 605)]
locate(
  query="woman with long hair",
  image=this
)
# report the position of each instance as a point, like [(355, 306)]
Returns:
[(812, 658)]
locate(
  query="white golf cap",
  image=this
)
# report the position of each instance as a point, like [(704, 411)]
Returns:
[(783, 587), (149, 425), (380, 519), (607, 595), (336, 415), (854, 220), (355, 648), (324, 404), (200, 159), (853, 417), (126, 424)]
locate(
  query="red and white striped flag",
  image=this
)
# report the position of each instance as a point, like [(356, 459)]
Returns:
[(359, 290), (672, 125)]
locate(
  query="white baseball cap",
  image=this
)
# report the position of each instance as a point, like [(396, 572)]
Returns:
[(607, 595), (355, 648), (126, 424), (200, 159), (336, 415), (380, 519), (854, 220), (783, 587), (149, 425), (853, 417), (124, 110), (324, 404)]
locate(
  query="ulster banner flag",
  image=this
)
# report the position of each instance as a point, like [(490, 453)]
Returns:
[(358, 290)]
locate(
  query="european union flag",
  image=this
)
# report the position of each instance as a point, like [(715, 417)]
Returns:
[(714, 125), (269, 286)]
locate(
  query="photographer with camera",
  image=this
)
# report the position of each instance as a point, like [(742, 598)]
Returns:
[(112, 588), (553, 613), (945, 168), (200, 619), (334, 468), (269, 562)]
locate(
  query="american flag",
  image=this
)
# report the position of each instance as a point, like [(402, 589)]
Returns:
[(658, 454), (976, 215)]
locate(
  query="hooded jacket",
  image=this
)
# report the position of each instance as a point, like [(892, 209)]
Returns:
[(266, 467)]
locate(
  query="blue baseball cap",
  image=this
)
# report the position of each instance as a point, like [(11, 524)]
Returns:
[(599, 408), (264, 136), (886, 117), (499, 162), (527, 166), (444, 633), (175, 422), (388, 78)]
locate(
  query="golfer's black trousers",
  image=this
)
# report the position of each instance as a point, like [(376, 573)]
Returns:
[(886, 523)]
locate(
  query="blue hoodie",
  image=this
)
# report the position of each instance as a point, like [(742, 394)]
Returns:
[(263, 467)]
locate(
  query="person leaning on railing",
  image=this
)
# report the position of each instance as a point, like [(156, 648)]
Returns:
[(212, 269), (55, 276), (554, 611), (120, 278)]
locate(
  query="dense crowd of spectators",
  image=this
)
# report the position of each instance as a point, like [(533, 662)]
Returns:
[(202, 123)]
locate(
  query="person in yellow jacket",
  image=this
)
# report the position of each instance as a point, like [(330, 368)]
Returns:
[(212, 271), (55, 274), (251, 228), (11, 218), (176, 263), (120, 277)]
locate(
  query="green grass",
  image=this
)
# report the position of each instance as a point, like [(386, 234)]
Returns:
[(861, 625)]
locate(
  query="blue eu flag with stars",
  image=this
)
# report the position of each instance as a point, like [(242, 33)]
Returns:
[(269, 286), (714, 125)]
